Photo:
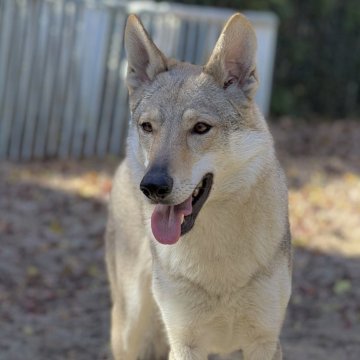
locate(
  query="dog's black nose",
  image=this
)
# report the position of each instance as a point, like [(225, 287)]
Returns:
[(156, 185)]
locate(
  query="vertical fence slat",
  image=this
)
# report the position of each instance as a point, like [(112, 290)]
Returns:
[(101, 48), (57, 83), (47, 79), (41, 103), (59, 125), (80, 111), (81, 114), (15, 76), (24, 83), (73, 85), (213, 33), (201, 41), (5, 56), (190, 44), (36, 84)]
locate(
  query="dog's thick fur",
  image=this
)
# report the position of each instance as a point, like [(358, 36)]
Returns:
[(225, 285)]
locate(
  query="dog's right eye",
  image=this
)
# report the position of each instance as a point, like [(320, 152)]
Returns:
[(147, 127), (201, 128)]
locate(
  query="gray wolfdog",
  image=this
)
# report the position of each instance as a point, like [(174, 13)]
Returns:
[(197, 243)]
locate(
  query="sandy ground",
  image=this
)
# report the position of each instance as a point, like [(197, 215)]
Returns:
[(54, 301)]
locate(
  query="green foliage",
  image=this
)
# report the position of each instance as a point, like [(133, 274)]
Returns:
[(317, 70)]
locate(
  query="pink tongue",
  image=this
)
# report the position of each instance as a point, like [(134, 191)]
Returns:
[(166, 221)]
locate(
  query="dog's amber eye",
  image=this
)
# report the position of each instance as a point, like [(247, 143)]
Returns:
[(147, 127), (201, 128)]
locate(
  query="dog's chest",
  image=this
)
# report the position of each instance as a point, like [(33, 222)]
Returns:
[(212, 304), (219, 322)]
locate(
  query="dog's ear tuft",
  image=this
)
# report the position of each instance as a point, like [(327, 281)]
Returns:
[(233, 60), (145, 60)]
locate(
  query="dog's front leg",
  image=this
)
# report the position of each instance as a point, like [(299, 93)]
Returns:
[(186, 353), (264, 351)]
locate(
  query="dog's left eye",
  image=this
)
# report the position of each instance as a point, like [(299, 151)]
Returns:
[(147, 127), (201, 128)]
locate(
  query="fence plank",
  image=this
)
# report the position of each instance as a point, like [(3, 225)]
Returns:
[(36, 84), (5, 74), (14, 69), (45, 86), (73, 85), (24, 83), (57, 85)]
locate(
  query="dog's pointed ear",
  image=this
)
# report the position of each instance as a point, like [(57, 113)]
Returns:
[(233, 60), (145, 60)]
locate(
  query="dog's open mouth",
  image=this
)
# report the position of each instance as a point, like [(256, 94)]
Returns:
[(169, 222)]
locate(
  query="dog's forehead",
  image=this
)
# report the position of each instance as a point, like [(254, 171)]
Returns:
[(178, 85), (177, 90)]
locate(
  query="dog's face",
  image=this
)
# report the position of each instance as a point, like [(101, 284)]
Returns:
[(193, 129)]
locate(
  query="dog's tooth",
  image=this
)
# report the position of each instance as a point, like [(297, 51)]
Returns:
[(182, 218), (196, 192)]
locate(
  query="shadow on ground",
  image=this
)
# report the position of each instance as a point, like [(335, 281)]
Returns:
[(53, 290)]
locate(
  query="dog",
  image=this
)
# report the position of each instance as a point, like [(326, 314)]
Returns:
[(198, 246)]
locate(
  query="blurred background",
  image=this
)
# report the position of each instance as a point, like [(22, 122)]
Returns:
[(63, 120)]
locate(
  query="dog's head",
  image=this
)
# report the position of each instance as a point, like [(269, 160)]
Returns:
[(195, 132)]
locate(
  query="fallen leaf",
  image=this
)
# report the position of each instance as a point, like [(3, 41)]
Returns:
[(56, 228), (342, 286), (28, 330), (32, 271)]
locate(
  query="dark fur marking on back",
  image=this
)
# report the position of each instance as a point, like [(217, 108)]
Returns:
[(285, 244)]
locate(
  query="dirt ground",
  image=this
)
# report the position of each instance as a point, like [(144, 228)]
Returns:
[(54, 301)]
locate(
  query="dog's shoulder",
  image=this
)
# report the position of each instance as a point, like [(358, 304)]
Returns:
[(125, 207)]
